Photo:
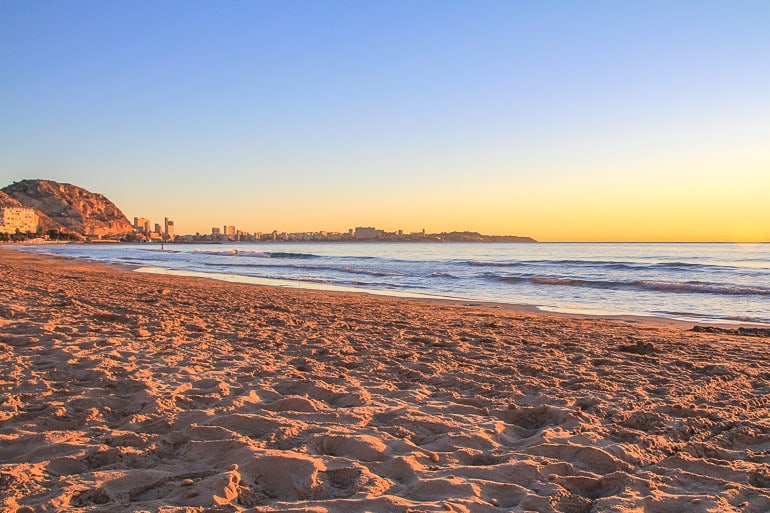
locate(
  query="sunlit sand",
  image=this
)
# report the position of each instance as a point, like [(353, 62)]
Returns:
[(125, 391)]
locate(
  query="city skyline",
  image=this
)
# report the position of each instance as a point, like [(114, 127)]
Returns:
[(143, 227), (638, 121)]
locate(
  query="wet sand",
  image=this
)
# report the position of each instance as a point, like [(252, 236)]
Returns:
[(125, 391)]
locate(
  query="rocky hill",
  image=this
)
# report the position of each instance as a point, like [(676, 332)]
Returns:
[(7, 201), (69, 208)]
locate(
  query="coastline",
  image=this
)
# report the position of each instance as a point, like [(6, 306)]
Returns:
[(656, 320), (719, 286), (125, 390), (520, 308)]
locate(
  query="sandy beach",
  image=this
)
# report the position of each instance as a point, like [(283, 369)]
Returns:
[(126, 391)]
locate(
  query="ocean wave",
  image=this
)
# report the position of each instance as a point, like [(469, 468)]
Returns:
[(143, 258), (517, 263), (703, 288), (231, 252), (560, 263), (679, 265), (707, 317), (128, 260), (158, 250), (482, 263), (603, 264), (254, 254), (302, 267), (367, 272), (690, 287), (303, 279), (252, 265), (678, 313), (281, 254)]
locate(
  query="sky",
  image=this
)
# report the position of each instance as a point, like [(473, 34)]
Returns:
[(563, 121)]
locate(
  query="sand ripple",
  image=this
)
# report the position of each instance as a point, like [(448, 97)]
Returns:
[(131, 392)]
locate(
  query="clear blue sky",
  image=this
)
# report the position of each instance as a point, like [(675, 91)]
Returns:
[(560, 120)]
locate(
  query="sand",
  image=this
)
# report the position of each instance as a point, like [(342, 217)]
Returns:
[(124, 391)]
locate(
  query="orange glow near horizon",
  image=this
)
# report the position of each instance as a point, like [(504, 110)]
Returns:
[(699, 202), (558, 217)]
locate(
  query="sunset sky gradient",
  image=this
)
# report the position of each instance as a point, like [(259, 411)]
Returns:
[(568, 121)]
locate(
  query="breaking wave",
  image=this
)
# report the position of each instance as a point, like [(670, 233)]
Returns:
[(652, 285), (254, 254), (599, 264)]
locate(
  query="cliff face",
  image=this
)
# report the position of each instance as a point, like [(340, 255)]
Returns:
[(7, 201), (68, 208)]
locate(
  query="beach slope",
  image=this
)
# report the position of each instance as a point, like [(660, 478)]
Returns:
[(125, 391)]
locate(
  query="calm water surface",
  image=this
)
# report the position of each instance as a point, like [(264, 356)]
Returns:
[(694, 282)]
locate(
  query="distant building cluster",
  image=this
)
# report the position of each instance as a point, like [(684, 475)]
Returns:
[(144, 232), (229, 233), (25, 220), (371, 233)]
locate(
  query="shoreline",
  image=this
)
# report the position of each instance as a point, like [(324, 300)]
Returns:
[(133, 391), (654, 319), (521, 309), (376, 241)]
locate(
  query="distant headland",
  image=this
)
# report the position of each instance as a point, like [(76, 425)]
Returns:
[(49, 210)]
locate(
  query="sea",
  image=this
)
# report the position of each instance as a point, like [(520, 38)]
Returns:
[(702, 283)]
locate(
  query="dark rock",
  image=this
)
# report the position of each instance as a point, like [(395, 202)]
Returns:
[(746, 332)]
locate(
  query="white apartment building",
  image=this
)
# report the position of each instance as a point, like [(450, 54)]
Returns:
[(13, 218)]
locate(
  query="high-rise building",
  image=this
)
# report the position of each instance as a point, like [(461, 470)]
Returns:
[(168, 232), (229, 231), (142, 225)]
